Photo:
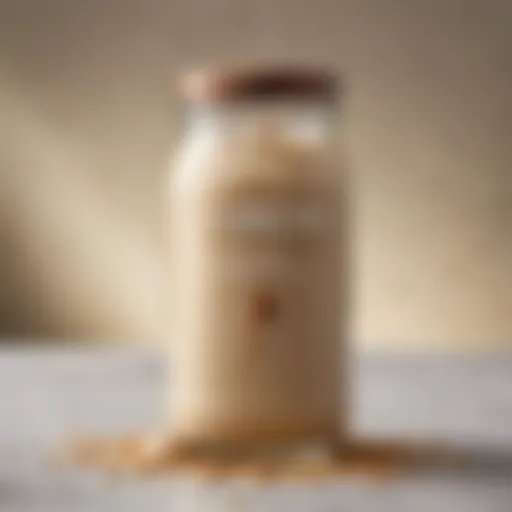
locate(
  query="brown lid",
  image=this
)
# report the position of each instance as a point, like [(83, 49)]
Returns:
[(260, 84)]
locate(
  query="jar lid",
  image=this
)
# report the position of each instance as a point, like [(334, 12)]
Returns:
[(260, 84)]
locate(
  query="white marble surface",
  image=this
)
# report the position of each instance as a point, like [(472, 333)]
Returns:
[(46, 394)]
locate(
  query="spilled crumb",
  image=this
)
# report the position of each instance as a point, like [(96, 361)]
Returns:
[(153, 454)]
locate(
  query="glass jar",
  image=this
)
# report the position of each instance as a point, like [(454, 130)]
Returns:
[(258, 261)]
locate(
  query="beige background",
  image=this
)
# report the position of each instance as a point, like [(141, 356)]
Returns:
[(87, 120)]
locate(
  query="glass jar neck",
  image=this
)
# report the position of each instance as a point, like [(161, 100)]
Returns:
[(312, 119)]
